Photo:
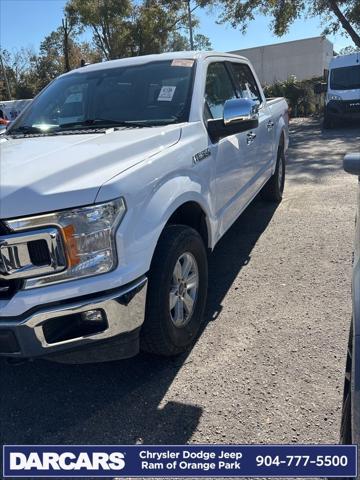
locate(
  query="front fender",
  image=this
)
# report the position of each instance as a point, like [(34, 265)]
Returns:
[(149, 209), (160, 206)]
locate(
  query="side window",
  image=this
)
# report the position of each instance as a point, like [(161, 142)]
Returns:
[(246, 81), (219, 88)]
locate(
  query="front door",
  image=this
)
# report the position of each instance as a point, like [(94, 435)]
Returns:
[(233, 155)]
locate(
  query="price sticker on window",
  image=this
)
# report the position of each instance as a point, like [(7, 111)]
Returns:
[(166, 94)]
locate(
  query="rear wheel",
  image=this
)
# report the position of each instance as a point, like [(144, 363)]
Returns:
[(273, 190), (177, 291)]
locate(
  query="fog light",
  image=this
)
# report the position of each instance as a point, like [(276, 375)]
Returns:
[(93, 316)]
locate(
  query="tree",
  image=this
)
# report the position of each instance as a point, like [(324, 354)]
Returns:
[(68, 25), (123, 28), (17, 65), (337, 14), (120, 28), (348, 50), (178, 42), (108, 20)]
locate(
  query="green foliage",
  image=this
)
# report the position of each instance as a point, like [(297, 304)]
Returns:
[(120, 28), (336, 14), (179, 43), (28, 72), (299, 95), (107, 19), (17, 66), (348, 50)]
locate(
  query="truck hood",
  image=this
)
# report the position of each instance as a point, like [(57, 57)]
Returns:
[(49, 173)]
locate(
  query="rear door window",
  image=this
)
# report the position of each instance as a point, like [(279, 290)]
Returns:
[(246, 82)]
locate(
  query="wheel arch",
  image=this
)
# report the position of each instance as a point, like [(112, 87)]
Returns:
[(181, 200), (281, 140), (192, 215)]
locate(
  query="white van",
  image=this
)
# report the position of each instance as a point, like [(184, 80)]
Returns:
[(343, 89)]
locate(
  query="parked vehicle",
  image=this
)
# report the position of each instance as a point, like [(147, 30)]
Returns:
[(114, 184), (342, 100), (350, 424), (10, 109)]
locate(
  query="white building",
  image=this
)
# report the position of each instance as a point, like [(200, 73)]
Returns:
[(305, 59)]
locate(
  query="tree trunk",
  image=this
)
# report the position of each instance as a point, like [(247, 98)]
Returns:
[(66, 52), (66, 45), (345, 23)]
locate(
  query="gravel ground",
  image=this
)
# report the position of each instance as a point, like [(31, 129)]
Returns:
[(268, 367)]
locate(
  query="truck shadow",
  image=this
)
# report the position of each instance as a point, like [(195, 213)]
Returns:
[(120, 402)]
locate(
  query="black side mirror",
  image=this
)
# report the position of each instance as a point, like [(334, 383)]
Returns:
[(240, 114), (320, 87), (352, 163)]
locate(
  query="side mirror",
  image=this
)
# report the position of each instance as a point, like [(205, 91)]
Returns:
[(240, 114), (352, 163), (320, 87), (239, 110)]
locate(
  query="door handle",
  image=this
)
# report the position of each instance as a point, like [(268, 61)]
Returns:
[(270, 125), (250, 137)]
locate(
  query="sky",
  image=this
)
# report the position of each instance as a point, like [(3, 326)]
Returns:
[(24, 23)]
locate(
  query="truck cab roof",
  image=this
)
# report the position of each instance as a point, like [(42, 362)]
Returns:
[(185, 55)]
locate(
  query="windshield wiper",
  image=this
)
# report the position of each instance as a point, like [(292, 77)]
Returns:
[(102, 122), (24, 129)]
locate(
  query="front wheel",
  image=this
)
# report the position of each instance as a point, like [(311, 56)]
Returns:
[(273, 190), (177, 291)]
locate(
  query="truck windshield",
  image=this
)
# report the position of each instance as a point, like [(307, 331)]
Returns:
[(345, 78), (156, 93)]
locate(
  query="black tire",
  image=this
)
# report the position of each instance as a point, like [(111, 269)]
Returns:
[(345, 429), (159, 334), (273, 190), (327, 123)]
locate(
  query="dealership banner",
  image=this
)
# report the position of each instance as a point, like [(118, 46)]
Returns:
[(126, 461)]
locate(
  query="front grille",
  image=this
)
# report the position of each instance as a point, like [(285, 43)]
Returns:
[(39, 253), (8, 288), (352, 107)]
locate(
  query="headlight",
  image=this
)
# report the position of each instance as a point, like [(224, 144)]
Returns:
[(333, 96), (88, 234)]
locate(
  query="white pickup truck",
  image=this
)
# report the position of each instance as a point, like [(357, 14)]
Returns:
[(114, 184)]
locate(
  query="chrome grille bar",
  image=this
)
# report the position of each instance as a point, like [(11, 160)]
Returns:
[(15, 258)]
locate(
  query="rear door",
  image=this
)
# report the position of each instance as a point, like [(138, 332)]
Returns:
[(264, 135)]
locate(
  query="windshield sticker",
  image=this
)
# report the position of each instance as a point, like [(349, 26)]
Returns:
[(166, 94), (182, 62)]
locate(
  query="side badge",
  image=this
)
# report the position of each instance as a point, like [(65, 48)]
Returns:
[(201, 155)]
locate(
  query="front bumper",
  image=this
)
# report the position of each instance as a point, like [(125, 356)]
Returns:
[(338, 109), (54, 330)]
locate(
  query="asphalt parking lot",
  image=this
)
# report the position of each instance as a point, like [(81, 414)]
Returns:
[(268, 367)]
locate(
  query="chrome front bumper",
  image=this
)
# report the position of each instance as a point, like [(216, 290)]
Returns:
[(122, 308)]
